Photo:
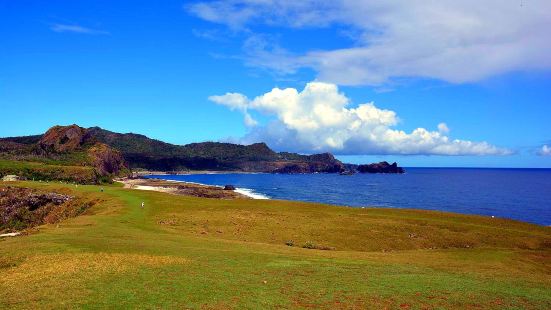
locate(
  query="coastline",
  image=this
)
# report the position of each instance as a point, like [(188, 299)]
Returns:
[(190, 172), (188, 188), (418, 189)]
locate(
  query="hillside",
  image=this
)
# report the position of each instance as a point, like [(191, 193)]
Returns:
[(66, 153), (142, 152), (112, 154), (198, 253)]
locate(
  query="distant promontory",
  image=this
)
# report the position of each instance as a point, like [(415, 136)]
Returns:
[(109, 153)]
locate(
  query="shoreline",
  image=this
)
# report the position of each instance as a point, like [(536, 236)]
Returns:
[(188, 188), (191, 172), (254, 195), (250, 193)]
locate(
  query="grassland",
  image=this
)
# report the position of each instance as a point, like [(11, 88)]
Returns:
[(187, 252), (49, 170)]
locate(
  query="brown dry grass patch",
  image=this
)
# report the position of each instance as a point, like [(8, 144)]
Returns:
[(57, 273)]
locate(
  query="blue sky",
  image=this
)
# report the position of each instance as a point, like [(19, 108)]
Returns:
[(166, 69)]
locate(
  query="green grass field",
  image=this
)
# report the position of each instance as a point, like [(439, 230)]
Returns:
[(48, 171), (184, 252)]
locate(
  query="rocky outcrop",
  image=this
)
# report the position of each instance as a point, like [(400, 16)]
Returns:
[(382, 167), (62, 139), (65, 139), (71, 148), (106, 160), (22, 208)]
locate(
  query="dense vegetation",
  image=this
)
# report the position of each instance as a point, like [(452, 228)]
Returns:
[(143, 152), (187, 252), (49, 172), (139, 151)]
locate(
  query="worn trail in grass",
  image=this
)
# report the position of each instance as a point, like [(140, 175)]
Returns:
[(186, 252)]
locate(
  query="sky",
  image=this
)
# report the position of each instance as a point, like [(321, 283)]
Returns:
[(424, 83)]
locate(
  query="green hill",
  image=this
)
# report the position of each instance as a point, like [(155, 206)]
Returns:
[(66, 145)]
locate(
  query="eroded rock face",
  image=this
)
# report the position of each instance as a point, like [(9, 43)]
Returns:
[(65, 139), (62, 139), (106, 160)]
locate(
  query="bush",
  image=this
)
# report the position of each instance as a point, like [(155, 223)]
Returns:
[(311, 245)]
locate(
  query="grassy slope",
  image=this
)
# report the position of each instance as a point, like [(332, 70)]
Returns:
[(231, 254), (48, 171)]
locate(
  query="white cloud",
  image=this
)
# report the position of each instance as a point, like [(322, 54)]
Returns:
[(454, 41), (545, 151), (75, 29), (236, 101), (319, 118), (443, 128)]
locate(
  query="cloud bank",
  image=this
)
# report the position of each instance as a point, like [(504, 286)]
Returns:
[(449, 40), (319, 119)]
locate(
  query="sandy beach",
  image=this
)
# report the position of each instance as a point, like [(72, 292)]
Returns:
[(183, 188)]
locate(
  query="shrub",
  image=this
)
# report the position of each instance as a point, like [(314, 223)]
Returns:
[(311, 245)]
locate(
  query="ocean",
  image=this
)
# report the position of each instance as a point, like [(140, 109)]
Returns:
[(520, 194)]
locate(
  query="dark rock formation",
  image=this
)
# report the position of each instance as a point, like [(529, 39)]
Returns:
[(382, 167), (62, 139), (229, 188), (106, 160)]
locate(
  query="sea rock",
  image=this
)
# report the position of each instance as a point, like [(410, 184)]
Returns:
[(382, 167), (229, 188)]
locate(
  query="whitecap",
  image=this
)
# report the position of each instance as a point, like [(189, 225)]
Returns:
[(250, 193)]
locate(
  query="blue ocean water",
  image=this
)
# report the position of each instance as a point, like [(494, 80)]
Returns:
[(521, 194)]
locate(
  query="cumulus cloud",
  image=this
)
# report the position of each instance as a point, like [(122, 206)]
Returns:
[(545, 151), (453, 41), (76, 29), (320, 118)]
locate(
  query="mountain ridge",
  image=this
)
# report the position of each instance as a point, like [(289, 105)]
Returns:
[(110, 152)]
